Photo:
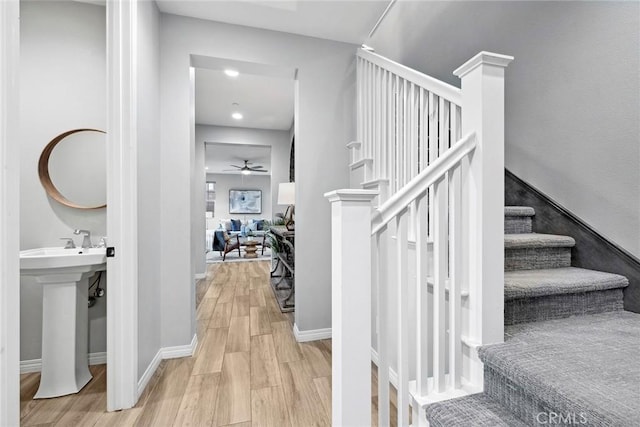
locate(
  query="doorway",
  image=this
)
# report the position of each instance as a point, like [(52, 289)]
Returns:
[(244, 120)]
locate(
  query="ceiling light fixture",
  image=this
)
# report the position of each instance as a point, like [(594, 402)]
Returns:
[(245, 172), (231, 73), (237, 116)]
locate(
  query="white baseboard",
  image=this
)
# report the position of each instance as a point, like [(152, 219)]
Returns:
[(180, 350), (148, 373), (166, 353), (35, 365), (312, 335), (200, 276), (393, 375)]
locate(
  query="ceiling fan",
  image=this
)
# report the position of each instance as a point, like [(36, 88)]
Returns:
[(246, 169)]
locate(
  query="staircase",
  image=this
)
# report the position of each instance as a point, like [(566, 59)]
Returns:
[(471, 317), (570, 351)]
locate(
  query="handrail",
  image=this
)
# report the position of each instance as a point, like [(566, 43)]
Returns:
[(419, 184), (440, 88)]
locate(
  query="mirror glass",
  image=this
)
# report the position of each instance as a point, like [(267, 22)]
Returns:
[(77, 169)]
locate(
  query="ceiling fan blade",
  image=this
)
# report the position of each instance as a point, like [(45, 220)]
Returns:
[(258, 170)]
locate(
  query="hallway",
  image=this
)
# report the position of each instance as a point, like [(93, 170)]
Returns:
[(248, 369)]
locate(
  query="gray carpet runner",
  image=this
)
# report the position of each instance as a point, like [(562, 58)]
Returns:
[(517, 219), (535, 295), (570, 349), (531, 251), (475, 410)]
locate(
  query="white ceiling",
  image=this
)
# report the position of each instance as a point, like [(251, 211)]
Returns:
[(264, 102), (345, 21), (219, 157), (265, 94)]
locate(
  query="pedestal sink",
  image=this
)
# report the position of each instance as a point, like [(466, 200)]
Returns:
[(63, 274)]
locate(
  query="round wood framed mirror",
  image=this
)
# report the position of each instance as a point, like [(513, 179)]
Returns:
[(77, 167)]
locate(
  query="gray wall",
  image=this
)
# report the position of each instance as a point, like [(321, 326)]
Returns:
[(572, 93), (149, 231), (325, 86), (62, 87), (226, 182)]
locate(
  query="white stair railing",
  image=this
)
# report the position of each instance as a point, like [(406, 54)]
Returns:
[(421, 275), (405, 119)]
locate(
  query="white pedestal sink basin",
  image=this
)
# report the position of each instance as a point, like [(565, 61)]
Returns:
[(64, 275)]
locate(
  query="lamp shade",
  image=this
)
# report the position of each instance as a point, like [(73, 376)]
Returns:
[(287, 193)]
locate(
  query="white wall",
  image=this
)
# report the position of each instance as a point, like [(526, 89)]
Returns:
[(149, 230), (325, 85), (62, 87), (198, 220), (226, 182), (572, 93)]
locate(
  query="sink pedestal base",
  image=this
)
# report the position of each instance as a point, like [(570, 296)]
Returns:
[(65, 334)]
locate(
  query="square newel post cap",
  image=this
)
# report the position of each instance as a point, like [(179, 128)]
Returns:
[(351, 195), (488, 58)]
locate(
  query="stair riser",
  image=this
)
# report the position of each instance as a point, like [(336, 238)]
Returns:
[(517, 224), (532, 409), (536, 258), (537, 309)]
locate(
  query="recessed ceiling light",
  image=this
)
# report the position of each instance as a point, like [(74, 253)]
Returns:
[(206, 168), (237, 116), (231, 73)]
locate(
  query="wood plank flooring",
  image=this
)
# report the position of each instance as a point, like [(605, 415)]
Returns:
[(248, 369)]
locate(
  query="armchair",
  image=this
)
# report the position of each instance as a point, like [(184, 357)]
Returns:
[(224, 243)]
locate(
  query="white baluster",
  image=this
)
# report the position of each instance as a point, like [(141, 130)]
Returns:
[(396, 133), (365, 113), (443, 123), (422, 293), (384, 251), (351, 306), (456, 133), (383, 126), (455, 277), (433, 148), (413, 135), (376, 123), (402, 270), (422, 123), (440, 243), (359, 100)]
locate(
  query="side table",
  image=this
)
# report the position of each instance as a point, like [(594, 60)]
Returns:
[(250, 248)]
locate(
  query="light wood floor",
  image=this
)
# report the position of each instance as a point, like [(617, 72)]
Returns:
[(248, 369)]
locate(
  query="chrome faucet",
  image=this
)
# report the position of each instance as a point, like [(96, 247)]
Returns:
[(86, 240)]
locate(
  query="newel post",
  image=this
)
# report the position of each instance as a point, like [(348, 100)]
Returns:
[(483, 113), (351, 306)]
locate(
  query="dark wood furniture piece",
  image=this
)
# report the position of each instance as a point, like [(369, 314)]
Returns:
[(284, 253), (224, 243)]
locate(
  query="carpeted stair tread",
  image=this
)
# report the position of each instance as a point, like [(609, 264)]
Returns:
[(556, 281), (582, 365), (535, 240), (518, 211), (476, 410)]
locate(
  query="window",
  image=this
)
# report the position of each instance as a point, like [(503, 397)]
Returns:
[(210, 198)]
